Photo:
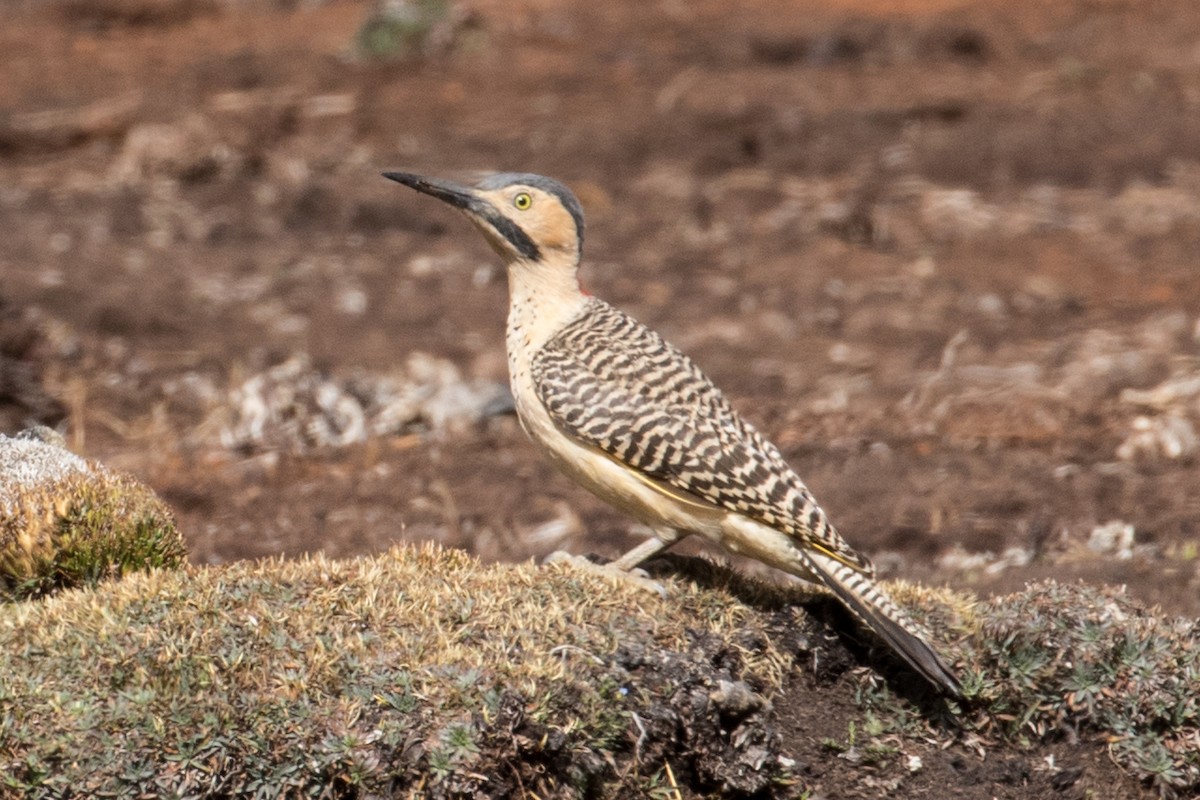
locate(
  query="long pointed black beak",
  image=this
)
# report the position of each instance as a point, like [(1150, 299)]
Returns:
[(450, 192), (479, 209)]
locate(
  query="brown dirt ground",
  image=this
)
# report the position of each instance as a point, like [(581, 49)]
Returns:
[(813, 199)]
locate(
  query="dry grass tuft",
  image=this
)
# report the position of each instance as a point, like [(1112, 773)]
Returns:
[(418, 672)]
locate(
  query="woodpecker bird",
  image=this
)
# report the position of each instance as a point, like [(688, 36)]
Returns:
[(631, 418)]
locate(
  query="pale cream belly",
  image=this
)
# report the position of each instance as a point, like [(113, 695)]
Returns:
[(663, 509), (638, 497)]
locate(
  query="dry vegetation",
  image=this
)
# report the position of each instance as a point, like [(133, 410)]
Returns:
[(424, 673), (419, 672)]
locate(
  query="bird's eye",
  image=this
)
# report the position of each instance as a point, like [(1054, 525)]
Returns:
[(523, 201)]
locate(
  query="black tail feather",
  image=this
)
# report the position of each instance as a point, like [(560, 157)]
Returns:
[(888, 622)]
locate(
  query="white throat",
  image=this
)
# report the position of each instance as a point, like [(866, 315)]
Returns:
[(543, 297)]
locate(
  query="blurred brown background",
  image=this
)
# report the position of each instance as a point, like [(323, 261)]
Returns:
[(945, 254)]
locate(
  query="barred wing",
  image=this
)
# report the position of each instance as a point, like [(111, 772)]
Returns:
[(618, 386)]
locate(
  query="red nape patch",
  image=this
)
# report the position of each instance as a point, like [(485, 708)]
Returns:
[(584, 289)]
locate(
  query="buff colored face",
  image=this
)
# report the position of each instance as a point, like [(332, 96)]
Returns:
[(536, 212)]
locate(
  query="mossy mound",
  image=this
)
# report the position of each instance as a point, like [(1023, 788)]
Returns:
[(68, 522), (417, 673), (422, 673)]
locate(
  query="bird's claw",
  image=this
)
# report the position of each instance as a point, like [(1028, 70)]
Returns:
[(635, 577)]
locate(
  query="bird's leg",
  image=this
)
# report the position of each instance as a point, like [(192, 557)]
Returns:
[(644, 552), (625, 567)]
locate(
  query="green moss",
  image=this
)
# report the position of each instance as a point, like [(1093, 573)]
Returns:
[(83, 529)]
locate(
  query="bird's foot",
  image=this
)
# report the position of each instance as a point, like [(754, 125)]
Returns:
[(635, 577)]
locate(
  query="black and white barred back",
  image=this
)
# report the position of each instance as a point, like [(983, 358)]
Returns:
[(617, 385)]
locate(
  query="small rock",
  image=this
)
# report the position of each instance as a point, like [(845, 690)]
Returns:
[(735, 699), (564, 526), (849, 355), (991, 305), (1169, 436), (31, 458), (1112, 538), (952, 214), (958, 559), (1163, 332)]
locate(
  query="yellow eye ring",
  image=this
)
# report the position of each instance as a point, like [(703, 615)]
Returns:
[(523, 201)]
